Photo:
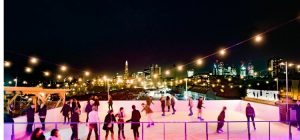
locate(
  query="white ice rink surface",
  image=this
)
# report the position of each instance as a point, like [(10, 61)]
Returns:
[(194, 130)]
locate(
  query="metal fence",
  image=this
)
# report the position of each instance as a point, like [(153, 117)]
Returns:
[(185, 131)]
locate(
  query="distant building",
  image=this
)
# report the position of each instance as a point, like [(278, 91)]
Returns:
[(126, 73), (243, 72), (250, 69), (274, 66)]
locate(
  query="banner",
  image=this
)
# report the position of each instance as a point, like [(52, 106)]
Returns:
[(269, 95)]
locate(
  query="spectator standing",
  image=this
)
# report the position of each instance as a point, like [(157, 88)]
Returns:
[(42, 114), (297, 108), (250, 113), (30, 118), (74, 123), (121, 116), (221, 119), (93, 123), (38, 134), (109, 124), (135, 119)]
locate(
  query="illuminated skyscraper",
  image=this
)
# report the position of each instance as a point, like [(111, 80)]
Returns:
[(126, 74)]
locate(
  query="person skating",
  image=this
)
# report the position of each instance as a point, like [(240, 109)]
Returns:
[(163, 104), (121, 116), (93, 123), (89, 108), (110, 102), (74, 123), (42, 114), (109, 124), (66, 109), (135, 119), (149, 112), (221, 119), (173, 104), (30, 111), (250, 113), (191, 105), (200, 106), (168, 103), (297, 108)]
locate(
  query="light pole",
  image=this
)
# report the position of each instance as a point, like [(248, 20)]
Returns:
[(186, 85)]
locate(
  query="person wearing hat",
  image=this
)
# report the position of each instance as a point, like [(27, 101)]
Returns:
[(109, 124), (149, 112), (221, 119)]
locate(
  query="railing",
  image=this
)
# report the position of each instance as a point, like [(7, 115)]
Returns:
[(227, 126)]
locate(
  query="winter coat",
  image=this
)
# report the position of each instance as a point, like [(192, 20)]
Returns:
[(66, 109), (121, 116), (163, 101), (168, 101), (250, 111), (30, 114), (172, 101), (88, 108), (75, 117), (221, 116), (135, 117), (297, 108), (200, 103), (42, 111), (109, 119), (191, 104)]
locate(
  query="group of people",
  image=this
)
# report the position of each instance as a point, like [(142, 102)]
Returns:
[(71, 109), (38, 134)]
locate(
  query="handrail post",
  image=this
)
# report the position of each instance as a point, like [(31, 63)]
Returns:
[(164, 131), (269, 130), (248, 127), (142, 130), (99, 136), (185, 134), (290, 131), (227, 130), (13, 131), (206, 126)]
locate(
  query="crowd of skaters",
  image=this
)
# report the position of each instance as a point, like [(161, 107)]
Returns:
[(71, 109)]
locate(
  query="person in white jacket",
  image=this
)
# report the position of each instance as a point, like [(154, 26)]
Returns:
[(93, 122)]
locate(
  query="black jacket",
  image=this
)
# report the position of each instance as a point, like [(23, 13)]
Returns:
[(30, 114), (66, 109), (75, 117), (42, 111), (297, 108), (135, 117), (109, 118)]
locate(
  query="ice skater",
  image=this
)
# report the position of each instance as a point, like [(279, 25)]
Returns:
[(121, 116), (200, 106), (250, 113), (93, 122), (168, 103), (149, 112), (109, 124), (163, 104), (173, 104), (221, 119), (74, 123), (110, 102), (42, 114), (191, 104)]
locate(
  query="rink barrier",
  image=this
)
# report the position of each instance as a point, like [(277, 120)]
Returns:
[(164, 127)]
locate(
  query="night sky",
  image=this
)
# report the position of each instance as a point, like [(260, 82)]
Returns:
[(100, 35)]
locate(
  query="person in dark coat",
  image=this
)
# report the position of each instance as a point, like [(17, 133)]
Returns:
[(65, 111), (42, 114), (30, 118), (297, 108), (199, 106), (38, 135), (173, 104), (89, 108), (163, 104), (74, 123), (135, 119), (109, 124), (221, 119), (250, 113)]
